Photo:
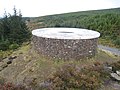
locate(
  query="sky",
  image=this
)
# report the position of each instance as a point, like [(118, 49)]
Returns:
[(35, 8)]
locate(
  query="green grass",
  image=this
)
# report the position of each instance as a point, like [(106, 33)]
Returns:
[(32, 68), (107, 42), (4, 54)]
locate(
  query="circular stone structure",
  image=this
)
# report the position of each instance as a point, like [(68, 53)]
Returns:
[(65, 43)]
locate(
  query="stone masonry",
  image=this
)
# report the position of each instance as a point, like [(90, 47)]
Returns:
[(66, 49)]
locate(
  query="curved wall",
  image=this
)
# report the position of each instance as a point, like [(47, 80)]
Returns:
[(67, 49)]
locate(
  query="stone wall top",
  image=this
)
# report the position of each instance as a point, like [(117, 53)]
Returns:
[(66, 33)]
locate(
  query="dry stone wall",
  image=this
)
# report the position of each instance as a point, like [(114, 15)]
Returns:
[(66, 49)]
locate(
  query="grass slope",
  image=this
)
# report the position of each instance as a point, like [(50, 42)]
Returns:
[(31, 69)]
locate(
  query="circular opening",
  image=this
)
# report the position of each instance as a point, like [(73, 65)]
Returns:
[(65, 32)]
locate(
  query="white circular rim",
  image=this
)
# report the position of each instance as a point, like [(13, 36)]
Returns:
[(66, 33)]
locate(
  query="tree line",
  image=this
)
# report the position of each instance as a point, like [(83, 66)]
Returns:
[(107, 22), (13, 31)]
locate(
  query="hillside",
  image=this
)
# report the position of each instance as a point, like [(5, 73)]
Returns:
[(23, 68), (107, 22), (30, 69)]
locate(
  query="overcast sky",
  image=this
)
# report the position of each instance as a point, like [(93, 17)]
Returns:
[(34, 8)]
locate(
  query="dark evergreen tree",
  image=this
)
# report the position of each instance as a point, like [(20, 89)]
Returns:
[(13, 30)]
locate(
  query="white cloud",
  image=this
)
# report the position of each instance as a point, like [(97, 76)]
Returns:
[(47, 7)]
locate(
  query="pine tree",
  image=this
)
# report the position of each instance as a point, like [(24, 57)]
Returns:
[(13, 29)]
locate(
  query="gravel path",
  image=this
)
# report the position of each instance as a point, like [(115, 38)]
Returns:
[(110, 50)]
